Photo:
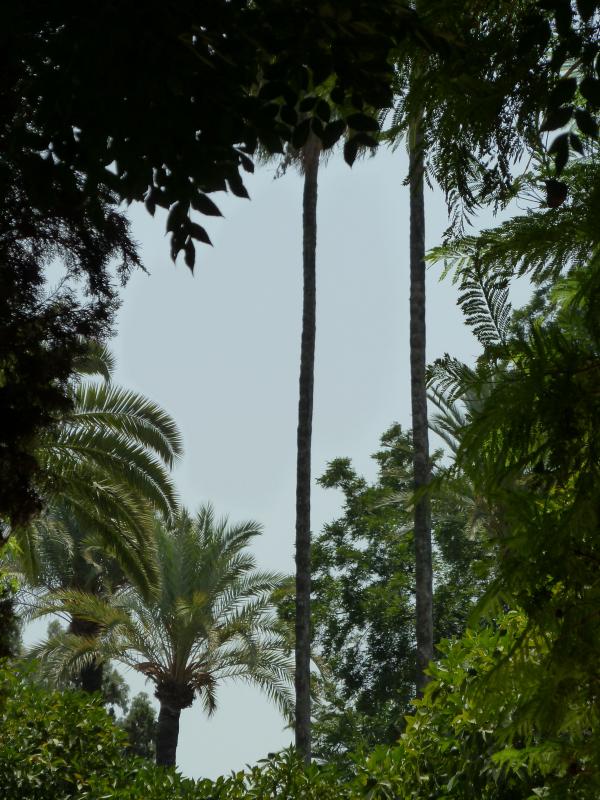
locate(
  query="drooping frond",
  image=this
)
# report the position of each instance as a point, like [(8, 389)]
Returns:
[(97, 361), (484, 302)]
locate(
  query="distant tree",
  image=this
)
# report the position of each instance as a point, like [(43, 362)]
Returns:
[(140, 725), (210, 620)]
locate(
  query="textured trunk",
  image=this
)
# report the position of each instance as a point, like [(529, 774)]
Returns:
[(305, 412), (90, 677), (418, 387), (167, 736)]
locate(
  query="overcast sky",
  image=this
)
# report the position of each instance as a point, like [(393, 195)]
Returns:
[(219, 350)]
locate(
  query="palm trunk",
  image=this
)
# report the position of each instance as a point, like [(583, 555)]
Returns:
[(303, 486), (90, 677), (418, 385), (167, 736)]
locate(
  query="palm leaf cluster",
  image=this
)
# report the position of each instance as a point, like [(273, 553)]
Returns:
[(108, 458), (210, 620)]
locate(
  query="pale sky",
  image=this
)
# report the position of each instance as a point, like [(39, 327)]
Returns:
[(220, 352)]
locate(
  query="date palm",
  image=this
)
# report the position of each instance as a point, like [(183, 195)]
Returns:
[(211, 620), (109, 457)]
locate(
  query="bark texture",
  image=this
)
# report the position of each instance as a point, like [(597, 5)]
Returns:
[(303, 471), (418, 386), (90, 677), (167, 736)]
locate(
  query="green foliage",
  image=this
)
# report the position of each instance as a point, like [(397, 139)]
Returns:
[(231, 75), (363, 596), (52, 743), (512, 71), (210, 619), (530, 445), (10, 627), (64, 746), (465, 740)]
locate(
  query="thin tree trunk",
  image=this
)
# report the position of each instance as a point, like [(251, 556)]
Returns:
[(90, 677), (303, 475), (418, 386), (167, 736)]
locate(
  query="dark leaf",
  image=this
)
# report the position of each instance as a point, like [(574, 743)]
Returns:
[(332, 133), (576, 143), (323, 111), (198, 232), (236, 186), (337, 95), (203, 204), (307, 104), (590, 89), (289, 115), (271, 141), (560, 150), (246, 163), (300, 135), (149, 202), (586, 123), (350, 151), (563, 92), (557, 118), (177, 244), (362, 122), (177, 215), (190, 254), (317, 127), (556, 192)]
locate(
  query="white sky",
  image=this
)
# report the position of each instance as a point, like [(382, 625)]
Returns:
[(220, 352)]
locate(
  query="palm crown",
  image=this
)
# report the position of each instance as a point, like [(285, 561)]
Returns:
[(210, 620)]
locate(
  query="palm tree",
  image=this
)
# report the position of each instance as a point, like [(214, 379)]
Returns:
[(109, 458), (210, 620), (418, 391), (310, 163), (307, 159)]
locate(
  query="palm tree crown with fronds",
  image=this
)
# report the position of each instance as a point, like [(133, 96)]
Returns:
[(210, 620), (108, 461)]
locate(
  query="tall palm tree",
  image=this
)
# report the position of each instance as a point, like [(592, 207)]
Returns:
[(210, 620), (310, 165), (109, 458), (418, 391)]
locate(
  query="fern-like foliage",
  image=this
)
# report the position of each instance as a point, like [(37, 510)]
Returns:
[(484, 301)]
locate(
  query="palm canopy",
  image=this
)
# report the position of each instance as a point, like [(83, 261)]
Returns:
[(107, 460), (211, 619)]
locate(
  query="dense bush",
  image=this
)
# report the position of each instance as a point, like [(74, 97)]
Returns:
[(65, 746), (472, 734), (468, 738)]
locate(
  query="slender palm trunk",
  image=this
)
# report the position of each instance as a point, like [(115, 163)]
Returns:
[(167, 736), (421, 466), (90, 677), (305, 413)]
